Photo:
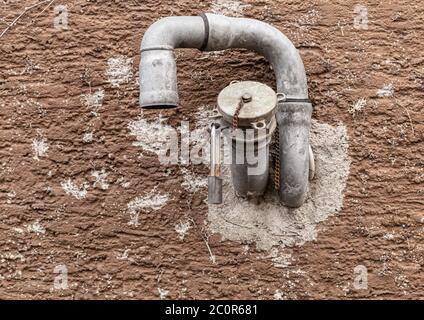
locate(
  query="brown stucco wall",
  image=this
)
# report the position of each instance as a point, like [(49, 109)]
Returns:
[(71, 205)]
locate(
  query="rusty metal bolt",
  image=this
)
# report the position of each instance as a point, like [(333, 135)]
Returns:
[(246, 97)]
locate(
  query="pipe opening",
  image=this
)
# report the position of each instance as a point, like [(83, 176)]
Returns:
[(159, 106)]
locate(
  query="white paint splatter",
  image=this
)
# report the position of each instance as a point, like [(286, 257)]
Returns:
[(19, 230), (124, 255), (231, 8), (163, 293), (123, 182), (60, 21), (193, 182), (269, 224), (199, 136), (360, 20), (101, 179), (37, 228), (71, 189), (40, 147), (310, 18), (119, 70), (10, 196), (388, 90), (157, 137), (151, 201), (151, 136), (202, 116), (11, 256), (88, 137), (358, 106), (279, 259), (93, 101), (278, 295), (182, 228), (389, 236)]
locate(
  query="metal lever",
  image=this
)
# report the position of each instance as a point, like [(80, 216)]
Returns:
[(215, 180)]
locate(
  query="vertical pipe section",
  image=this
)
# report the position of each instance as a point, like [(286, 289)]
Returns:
[(158, 70), (250, 178), (294, 121)]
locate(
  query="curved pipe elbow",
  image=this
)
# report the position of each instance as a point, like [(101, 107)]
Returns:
[(258, 36), (294, 122), (212, 32), (174, 32)]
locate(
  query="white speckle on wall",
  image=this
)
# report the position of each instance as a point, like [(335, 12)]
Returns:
[(230, 8), (279, 259), (310, 18), (389, 236), (100, 179), (193, 182), (123, 182), (358, 106), (157, 137), (151, 136), (72, 189), (388, 90), (182, 228), (278, 295), (199, 136), (119, 70), (270, 224), (10, 196), (360, 20), (163, 293), (11, 256), (202, 116), (61, 17), (124, 255), (93, 101), (40, 147), (19, 230), (151, 201), (37, 228), (88, 137)]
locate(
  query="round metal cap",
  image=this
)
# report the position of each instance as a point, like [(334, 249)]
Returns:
[(259, 102)]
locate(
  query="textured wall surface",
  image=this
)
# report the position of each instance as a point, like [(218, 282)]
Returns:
[(87, 211)]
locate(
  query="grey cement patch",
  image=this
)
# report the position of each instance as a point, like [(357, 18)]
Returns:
[(270, 224)]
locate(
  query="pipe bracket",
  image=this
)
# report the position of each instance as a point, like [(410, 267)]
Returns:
[(207, 28)]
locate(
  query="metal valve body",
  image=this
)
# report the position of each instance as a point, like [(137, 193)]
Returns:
[(248, 110)]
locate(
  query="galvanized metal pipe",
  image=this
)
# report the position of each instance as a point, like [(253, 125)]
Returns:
[(245, 182), (210, 32)]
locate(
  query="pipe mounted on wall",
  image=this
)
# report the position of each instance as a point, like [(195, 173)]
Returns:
[(210, 32)]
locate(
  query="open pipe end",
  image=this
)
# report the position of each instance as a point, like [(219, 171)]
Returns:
[(156, 106), (158, 79)]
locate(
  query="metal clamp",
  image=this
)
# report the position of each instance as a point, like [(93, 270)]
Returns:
[(281, 97)]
